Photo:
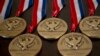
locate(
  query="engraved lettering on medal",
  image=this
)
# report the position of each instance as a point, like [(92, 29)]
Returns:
[(94, 24), (25, 42), (11, 24), (74, 42)]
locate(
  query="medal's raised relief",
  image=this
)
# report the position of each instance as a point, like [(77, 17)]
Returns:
[(52, 25), (12, 24), (93, 24), (25, 42), (74, 42)]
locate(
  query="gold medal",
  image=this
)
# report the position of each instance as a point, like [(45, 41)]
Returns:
[(25, 45), (12, 27), (74, 44), (91, 26), (52, 28)]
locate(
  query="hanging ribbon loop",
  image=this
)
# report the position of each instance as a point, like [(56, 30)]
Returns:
[(5, 8), (23, 6), (39, 11), (92, 4), (57, 5), (76, 9)]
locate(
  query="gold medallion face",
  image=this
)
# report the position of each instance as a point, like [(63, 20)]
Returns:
[(25, 45), (52, 28), (74, 44), (12, 27), (91, 26)]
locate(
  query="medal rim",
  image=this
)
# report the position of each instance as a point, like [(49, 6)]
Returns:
[(40, 46), (77, 34), (80, 26), (10, 18), (43, 36)]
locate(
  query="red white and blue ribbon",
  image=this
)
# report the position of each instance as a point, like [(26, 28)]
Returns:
[(77, 13), (23, 6), (57, 5), (5, 8), (39, 11), (92, 6)]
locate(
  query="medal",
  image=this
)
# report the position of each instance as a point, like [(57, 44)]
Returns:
[(74, 44), (52, 28), (25, 45), (12, 26), (91, 26)]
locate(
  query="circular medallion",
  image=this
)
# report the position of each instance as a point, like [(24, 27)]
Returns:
[(25, 45), (52, 28), (74, 44), (12, 27), (91, 26)]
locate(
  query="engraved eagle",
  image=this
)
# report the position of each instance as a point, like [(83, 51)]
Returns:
[(25, 42), (11, 24), (74, 42), (95, 24), (52, 25)]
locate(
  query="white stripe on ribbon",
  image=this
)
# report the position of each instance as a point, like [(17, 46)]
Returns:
[(77, 9), (3, 12), (57, 5), (60, 5), (92, 6), (95, 3), (23, 6), (77, 14), (26, 4), (39, 11)]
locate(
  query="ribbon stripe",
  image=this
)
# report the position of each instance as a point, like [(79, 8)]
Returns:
[(76, 9), (39, 11), (92, 4), (5, 7), (57, 5), (24, 5)]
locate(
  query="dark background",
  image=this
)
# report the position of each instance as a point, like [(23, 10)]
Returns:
[(49, 47)]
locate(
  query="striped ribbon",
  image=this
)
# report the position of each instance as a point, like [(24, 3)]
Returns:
[(77, 13), (92, 6), (39, 11), (5, 8), (57, 5), (23, 6)]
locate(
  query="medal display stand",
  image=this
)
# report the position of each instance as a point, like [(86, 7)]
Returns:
[(49, 47)]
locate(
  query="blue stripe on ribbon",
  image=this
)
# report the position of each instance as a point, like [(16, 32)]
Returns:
[(81, 8), (44, 8), (63, 2), (7, 13), (98, 1), (30, 3)]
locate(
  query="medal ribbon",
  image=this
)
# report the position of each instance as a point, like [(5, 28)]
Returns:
[(92, 6), (5, 8), (76, 9), (57, 5), (39, 11), (24, 5)]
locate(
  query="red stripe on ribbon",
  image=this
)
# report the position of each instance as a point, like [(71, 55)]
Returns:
[(34, 17), (73, 16), (1, 5), (91, 7), (20, 8), (55, 8)]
